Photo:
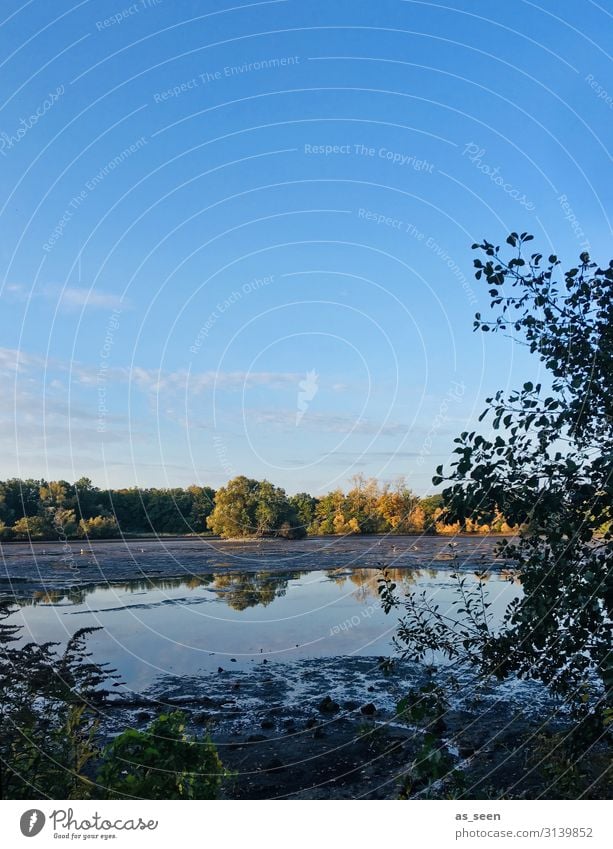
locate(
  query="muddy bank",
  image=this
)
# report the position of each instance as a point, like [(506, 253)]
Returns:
[(32, 567), (329, 729)]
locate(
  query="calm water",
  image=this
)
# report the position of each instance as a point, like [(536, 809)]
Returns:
[(188, 626)]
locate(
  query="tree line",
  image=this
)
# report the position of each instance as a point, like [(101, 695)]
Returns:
[(39, 509)]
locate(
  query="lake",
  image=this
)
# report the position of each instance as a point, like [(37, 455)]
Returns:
[(237, 620)]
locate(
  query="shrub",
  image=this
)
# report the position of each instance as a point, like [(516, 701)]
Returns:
[(30, 527), (161, 763), (6, 533), (100, 527)]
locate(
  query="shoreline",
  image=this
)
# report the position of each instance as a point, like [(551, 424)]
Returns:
[(30, 568)]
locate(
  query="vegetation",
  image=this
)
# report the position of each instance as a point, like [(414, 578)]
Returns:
[(162, 762), (50, 737), (246, 507), (546, 466), (37, 510)]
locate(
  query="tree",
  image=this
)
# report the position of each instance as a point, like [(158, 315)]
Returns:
[(329, 512), (100, 527), (202, 504), (547, 470), (21, 497), (54, 494), (361, 506), (304, 505), (234, 513), (87, 501), (6, 532), (399, 509), (6, 514), (63, 522), (48, 714), (247, 507), (31, 527)]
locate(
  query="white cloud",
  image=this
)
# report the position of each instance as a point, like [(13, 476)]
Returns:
[(13, 360), (328, 423), (79, 298), (68, 297)]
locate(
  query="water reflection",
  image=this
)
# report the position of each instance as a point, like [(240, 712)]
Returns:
[(239, 590), (242, 590), (250, 589), (237, 620), (367, 580)]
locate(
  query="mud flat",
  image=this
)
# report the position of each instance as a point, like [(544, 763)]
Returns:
[(328, 728), (46, 566)]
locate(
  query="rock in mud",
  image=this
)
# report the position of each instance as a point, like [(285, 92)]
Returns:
[(327, 705), (200, 718), (143, 716), (256, 738)]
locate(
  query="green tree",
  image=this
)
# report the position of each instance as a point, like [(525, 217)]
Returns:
[(304, 505), (48, 714), (6, 514), (235, 505), (21, 497), (272, 509), (247, 507), (547, 470), (6, 532), (87, 500), (330, 513), (202, 504), (128, 508), (431, 505)]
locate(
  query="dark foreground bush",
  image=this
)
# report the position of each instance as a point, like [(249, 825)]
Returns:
[(162, 762), (51, 743)]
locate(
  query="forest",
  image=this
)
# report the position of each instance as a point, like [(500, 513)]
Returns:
[(58, 510)]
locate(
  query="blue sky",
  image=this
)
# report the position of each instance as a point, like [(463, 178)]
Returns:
[(236, 239)]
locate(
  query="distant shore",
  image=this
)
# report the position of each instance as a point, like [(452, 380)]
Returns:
[(28, 568)]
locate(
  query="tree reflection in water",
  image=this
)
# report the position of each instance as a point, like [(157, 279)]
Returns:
[(367, 580), (239, 590)]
